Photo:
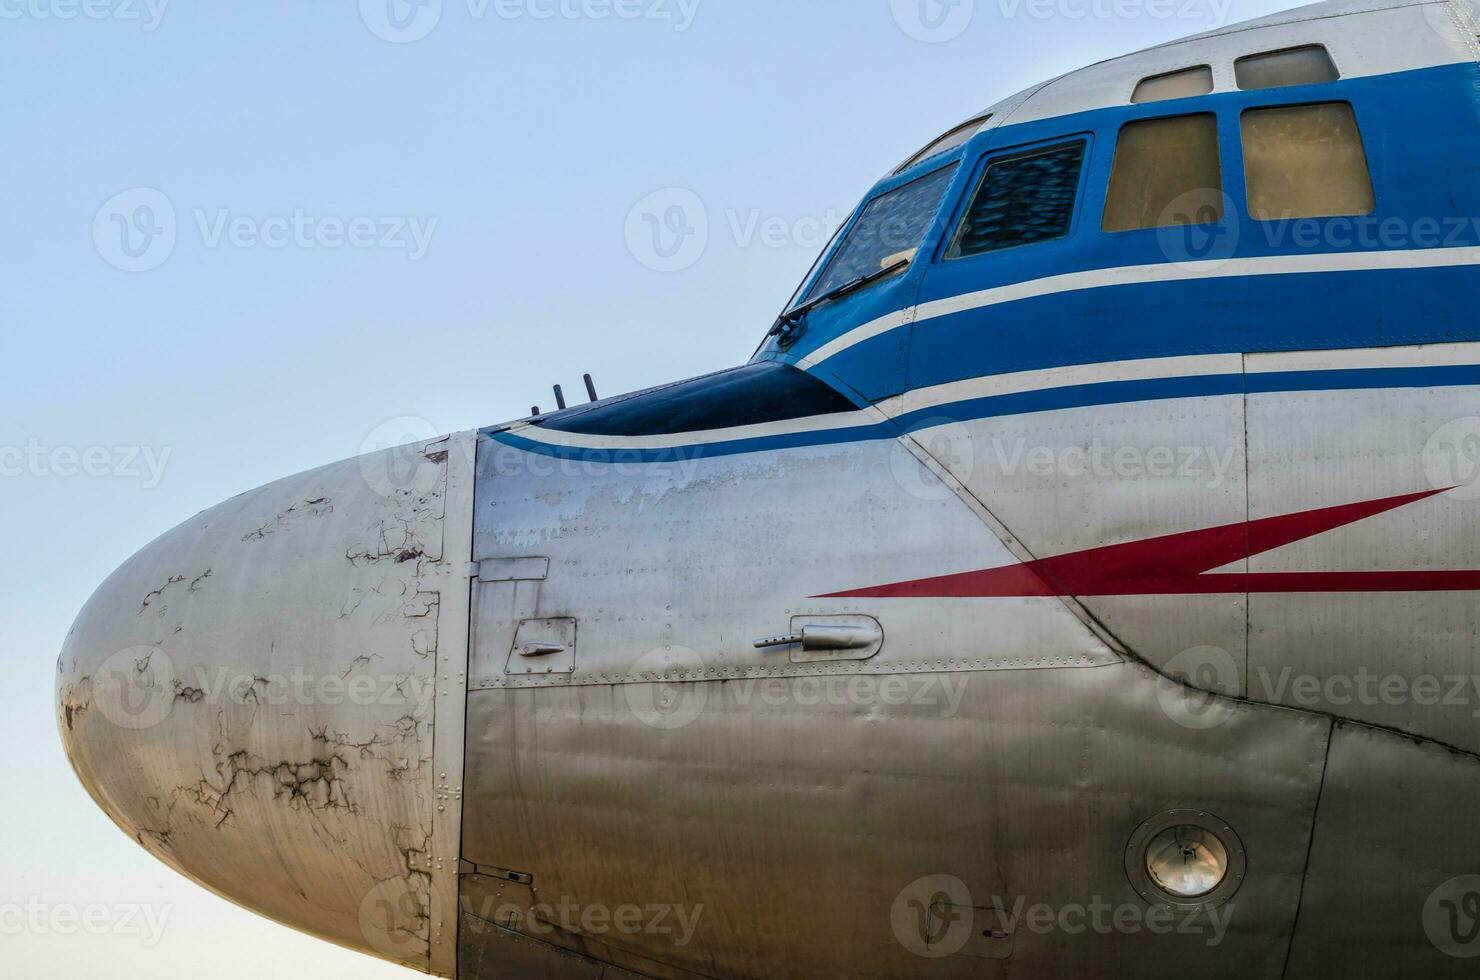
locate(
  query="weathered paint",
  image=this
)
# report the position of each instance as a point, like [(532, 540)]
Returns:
[(276, 740)]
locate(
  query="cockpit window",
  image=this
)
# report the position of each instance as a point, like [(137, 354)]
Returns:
[(1184, 84), (1305, 161), (956, 137), (1023, 198), (1308, 65), (890, 228), (796, 297), (1166, 173)]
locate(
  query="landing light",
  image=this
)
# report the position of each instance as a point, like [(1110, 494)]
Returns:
[(1187, 861)]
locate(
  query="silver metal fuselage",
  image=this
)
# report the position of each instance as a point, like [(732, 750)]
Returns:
[(494, 705)]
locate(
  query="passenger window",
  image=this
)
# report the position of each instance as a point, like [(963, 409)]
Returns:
[(1305, 161), (890, 228), (1182, 84), (1166, 173), (1022, 199), (1307, 65), (956, 137)]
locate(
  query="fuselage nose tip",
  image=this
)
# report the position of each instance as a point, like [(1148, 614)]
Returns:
[(251, 698)]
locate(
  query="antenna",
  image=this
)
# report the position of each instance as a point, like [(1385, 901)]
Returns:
[(534, 410), (560, 398), (590, 387)]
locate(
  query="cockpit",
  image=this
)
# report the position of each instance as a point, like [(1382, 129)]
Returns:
[(1145, 178)]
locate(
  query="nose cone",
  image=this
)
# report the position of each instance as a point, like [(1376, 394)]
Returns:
[(252, 698)]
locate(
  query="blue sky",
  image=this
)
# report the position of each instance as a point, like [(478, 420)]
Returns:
[(240, 239)]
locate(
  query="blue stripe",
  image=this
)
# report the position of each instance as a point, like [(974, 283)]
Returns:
[(682, 454), (1355, 378), (1421, 133), (1027, 402), (1276, 313)]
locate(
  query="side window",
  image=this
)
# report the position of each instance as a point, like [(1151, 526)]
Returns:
[(890, 229), (1166, 173), (1022, 199), (1305, 161), (1306, 65), (1182, 84)]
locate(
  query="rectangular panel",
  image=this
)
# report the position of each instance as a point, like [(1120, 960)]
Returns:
[(1354, 633), (543, 646), (513, 569)]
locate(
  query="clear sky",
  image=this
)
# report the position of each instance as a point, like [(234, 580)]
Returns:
[(241, 237)]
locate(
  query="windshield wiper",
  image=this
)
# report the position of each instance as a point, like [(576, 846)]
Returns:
[(790, 317)]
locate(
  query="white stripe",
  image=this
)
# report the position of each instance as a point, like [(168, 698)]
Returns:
[(1141, 369), (858, 335), (814, 423), (1189, 366), (1263, 265), (1423, 355)]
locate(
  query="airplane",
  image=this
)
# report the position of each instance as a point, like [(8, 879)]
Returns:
[(1080, 579)]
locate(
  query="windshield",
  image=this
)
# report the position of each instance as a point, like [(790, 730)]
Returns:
[(796, 297), (889, 229), (959, 136)]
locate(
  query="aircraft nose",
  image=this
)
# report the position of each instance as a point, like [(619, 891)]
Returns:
[(252, 697)]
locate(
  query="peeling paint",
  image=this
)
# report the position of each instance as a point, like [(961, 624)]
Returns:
[(158, 593), (295, 808), (317, 507)]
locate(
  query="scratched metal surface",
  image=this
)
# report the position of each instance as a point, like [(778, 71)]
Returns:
[(681, 565), (1396, 826), (283, 753), (796, 807), (797, 827)]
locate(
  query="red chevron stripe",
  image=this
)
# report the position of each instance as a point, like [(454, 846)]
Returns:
[(1177, 564)]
